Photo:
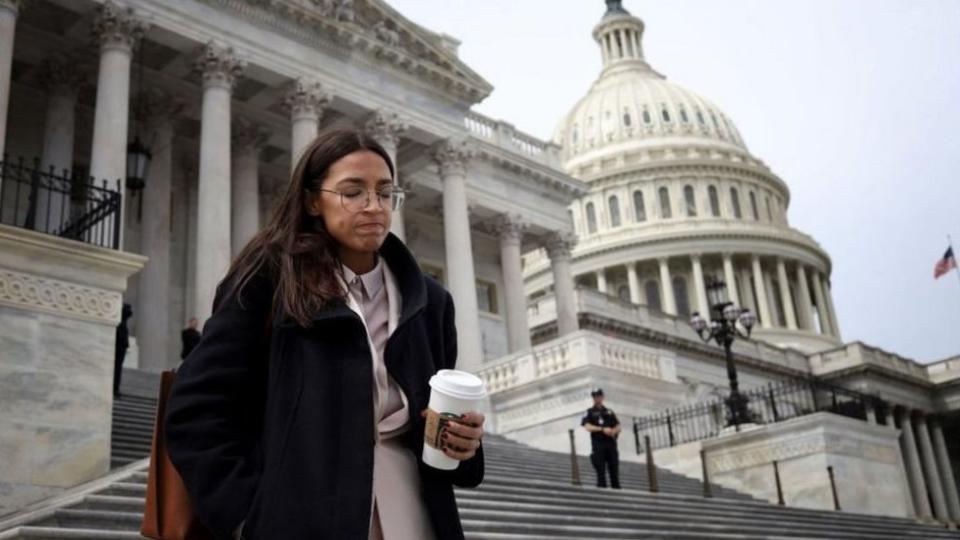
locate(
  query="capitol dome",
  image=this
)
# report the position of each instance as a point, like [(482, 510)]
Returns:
[(677, 200)]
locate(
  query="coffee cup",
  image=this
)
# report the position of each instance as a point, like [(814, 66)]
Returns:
[(452, 394)]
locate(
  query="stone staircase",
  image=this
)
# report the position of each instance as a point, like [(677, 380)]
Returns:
[(526, 495)]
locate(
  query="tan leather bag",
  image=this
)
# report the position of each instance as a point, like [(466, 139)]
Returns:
[(167, 514)]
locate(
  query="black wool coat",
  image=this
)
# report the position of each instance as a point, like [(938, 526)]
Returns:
[(273, 424)]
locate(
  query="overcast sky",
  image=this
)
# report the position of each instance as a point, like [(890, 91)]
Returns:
[(854, 103)]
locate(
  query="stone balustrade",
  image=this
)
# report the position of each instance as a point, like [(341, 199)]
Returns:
[(944, 370), (857, 354), (573, 351), (505, 136)]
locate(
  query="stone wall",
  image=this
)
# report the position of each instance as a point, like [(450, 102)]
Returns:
[(60, 303)]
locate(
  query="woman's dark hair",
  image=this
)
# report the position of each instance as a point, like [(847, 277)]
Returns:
[(294, 247)]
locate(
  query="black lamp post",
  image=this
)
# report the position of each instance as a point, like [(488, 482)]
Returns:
[(723, 329), (138, 155)]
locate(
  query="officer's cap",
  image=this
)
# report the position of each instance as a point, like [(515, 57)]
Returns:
[(596, 392)]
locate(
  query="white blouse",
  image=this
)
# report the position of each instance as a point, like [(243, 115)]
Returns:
[(398, 512)]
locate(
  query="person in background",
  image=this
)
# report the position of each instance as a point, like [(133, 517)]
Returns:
[(189, 337), (604, 429), (120, 347)]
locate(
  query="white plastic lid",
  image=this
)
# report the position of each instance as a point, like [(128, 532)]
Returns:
[(458, 384)]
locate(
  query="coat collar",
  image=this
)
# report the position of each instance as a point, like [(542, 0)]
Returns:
[(409, 282)]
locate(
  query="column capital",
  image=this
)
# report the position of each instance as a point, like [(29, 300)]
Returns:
[(306, 98), (452, 155), (559, 244), (117, 28), (727, 255), (247, 136), (509, 227), (59, 74), (218, 65), (386, 127), (663, 260), (161, 108), (11, 5), (695, 257)]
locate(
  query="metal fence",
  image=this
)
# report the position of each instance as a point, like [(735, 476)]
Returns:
[(66, 204), (768, 404)]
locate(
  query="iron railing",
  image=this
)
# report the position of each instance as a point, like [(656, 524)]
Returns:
[(67, 205), (768, 404)]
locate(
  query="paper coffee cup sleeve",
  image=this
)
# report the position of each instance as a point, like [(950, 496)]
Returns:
[(436, 422)]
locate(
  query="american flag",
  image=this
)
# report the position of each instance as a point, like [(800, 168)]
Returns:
[(945, 264)]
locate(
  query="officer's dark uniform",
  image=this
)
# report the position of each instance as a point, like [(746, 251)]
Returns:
[(605, 455)]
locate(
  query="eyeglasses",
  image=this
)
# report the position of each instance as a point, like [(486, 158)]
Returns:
[(357, 199)]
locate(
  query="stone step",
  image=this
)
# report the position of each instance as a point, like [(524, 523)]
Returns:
[(57, 533), (109, 520)]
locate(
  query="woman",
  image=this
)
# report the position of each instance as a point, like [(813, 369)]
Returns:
[(298, 414)]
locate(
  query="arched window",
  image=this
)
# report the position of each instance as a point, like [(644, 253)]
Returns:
[(714, 201), (735, 202), (716, 125), (664, 196), (574, 133), (700, 117), (623, 292), (769, 211), (691, 201), (639, 210), (570, 217), (591, 218), (614, 205), (646, 116), (626, 118), (652, 290), (683, 115), (665, 114), (753, 206), (680, 295)]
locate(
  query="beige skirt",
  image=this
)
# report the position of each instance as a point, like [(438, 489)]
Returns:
[(398, 510)]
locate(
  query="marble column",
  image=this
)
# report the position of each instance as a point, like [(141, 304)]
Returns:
[(8, 24), (803, 299), (946, 470), (248, 139), (633, 283), (117, 30), (760, 291), (831, 310), (153, 330), (602, 280), (60, 76), (387, 128), (931, 472), (733, 291), (818, 297), (914, 471), (746, 291), (699, 287), (306, 101), (785, 299), (666, 287), (452, 156), (510, 229), (559, 246), (220, 68)]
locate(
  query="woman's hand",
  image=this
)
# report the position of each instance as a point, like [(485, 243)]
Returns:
[(461, 438)]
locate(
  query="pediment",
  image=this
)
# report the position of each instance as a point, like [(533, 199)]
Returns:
[(375, 28)]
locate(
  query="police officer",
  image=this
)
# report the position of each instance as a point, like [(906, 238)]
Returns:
[(604, 429)]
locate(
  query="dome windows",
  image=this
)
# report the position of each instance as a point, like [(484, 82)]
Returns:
[(614, 208), (626, 118), (753, 206), (665, 114), (681, 296), (700, 118), (664, 195), (639, 210), (646, 116), (714, 201), (769, 211), (652, 292), (591, 218), (735, 203), (691, 201), (574, 134), (683, 114)]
